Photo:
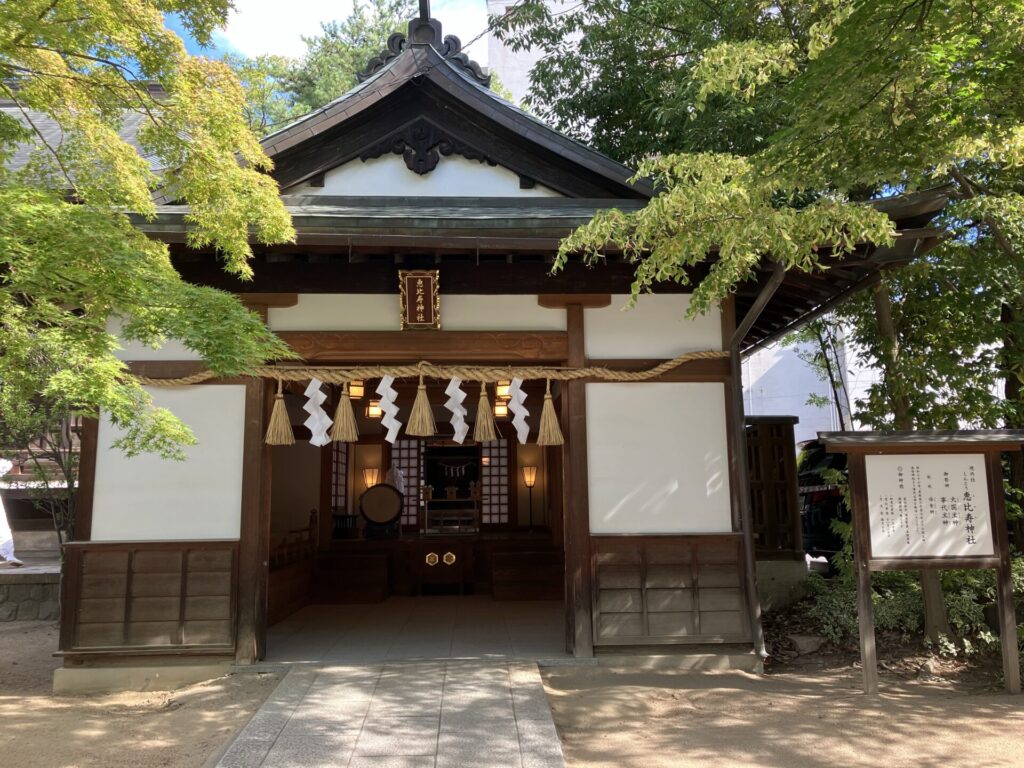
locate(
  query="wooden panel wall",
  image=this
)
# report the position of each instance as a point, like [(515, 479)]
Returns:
[(651, 590), (149, 596), (774, 502)]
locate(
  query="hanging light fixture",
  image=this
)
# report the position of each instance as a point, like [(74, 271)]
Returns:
[(356, 389), (502, 389), (500, 409), (370, 476), (373, 410)]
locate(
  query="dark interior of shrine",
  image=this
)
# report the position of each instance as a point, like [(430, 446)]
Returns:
[(423, 516)]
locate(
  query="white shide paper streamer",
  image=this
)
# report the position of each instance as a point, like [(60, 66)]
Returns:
[(459, 412), (318, 421), (389, 409), (517, 398)]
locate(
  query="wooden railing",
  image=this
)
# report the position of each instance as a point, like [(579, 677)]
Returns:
[(149, 597)]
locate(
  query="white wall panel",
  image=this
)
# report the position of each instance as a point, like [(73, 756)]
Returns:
[(655, 328), (498, 313), (658, 459), (379, 312), (146, 498), (388, 176)]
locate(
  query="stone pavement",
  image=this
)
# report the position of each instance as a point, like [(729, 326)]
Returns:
[(418, 714)]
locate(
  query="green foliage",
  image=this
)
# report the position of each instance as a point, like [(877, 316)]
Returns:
[(716, 203), (72, 266), (344, 47), (624, 76), (280, 90)]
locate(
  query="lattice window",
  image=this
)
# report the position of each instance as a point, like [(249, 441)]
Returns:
[(407, 455), (339, 477), (494, 483)]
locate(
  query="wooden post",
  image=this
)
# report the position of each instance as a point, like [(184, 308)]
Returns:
[(252, 547), (578, 588), (861, 555), (1004, 585)]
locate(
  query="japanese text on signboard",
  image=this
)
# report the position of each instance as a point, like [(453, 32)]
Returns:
[(420, 298), (928, 505)]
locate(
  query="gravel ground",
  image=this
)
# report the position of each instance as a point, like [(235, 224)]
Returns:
[(810, 715), (176, 729)]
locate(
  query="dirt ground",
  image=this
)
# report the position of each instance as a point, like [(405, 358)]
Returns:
[(177, 729), (807, 714)]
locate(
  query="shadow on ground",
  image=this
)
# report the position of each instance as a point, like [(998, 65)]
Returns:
[(645, 719)]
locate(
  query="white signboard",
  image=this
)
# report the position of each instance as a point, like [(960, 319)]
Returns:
[(929, 505)]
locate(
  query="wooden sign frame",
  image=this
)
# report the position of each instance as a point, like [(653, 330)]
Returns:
[(420, 299), (988, 445)]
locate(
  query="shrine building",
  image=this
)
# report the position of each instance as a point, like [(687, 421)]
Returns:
[(428, 213)]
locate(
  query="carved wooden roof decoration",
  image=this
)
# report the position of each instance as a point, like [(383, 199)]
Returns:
[(422, 144), (426, 31)]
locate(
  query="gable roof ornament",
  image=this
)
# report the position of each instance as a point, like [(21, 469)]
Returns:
[(425, 31), (421, 144)]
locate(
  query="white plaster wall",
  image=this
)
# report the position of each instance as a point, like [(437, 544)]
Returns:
[(146, 498), (658, 459), (132, 350), (380, 312), (388, 176), (655, 328)]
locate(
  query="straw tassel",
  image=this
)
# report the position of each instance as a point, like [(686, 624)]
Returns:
[(345, 429), (550, 433), (421, 420), (483, 430), (279, 430)]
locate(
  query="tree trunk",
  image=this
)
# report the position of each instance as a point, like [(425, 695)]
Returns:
[(935, 620), (827, 348), (1012, 392)]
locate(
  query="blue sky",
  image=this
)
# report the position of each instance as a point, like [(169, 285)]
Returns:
[(259, 26)]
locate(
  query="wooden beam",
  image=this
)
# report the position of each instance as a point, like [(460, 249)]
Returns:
[(563, 300), (436, 346), (265, 301), (578, 564)]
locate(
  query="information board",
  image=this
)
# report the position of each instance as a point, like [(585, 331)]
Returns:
[(928, 505)]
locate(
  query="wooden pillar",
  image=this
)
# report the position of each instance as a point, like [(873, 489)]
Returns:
[(578, 587), (253, 532), (865, 607), (82, 524), (1004, 584)]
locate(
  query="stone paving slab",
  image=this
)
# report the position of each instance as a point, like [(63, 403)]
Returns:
[(433, 714)]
